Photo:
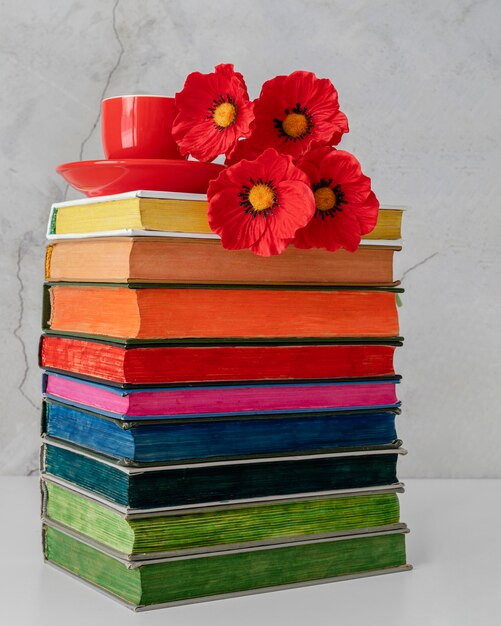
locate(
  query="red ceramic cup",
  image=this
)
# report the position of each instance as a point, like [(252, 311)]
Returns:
[(138, 127)]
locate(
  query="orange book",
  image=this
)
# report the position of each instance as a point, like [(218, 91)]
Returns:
[(184, 260), (176, 312)]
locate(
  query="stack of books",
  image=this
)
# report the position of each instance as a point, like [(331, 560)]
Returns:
[(215, 423)]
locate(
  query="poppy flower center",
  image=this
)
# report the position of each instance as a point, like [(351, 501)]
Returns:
[(258, 198), (224, 114), (296, 124), (328, 199), (325, 198), (261, 197)]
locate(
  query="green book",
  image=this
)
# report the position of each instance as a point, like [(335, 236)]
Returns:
[(205, 529), (178, 580)]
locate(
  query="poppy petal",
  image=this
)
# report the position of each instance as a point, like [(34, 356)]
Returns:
[(345, 230), (269, 244), (342, 166), (243, 149), (297, 206), (367, 214)]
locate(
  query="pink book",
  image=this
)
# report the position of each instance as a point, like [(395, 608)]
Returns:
[(242, 399)]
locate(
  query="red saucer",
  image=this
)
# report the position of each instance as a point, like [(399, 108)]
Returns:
[(102, 178)]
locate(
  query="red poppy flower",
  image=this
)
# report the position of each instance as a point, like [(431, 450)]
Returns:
[(213, 112), (260, 204), (346, 207), (294, 111), (248, 149)]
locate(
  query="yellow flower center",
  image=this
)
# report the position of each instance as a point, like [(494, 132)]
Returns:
[(325, 199), (224, 114), (261, 197), (295, 124)]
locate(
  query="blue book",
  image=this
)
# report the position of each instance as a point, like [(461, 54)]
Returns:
[(231, 437)]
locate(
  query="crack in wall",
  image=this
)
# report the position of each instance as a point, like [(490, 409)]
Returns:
[(108, 79), (17, 330), (413, 267), (105, 88)]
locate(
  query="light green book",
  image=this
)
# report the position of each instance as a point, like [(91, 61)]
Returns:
[(203, 529)]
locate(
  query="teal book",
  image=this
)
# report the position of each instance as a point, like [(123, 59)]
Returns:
[(175, 485)]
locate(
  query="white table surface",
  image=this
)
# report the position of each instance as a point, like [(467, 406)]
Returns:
[(454, 545)]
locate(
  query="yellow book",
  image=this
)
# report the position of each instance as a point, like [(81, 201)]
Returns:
[(389, 224), (169, 213)]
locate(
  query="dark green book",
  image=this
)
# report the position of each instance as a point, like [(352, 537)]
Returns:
[(206, 529), (178, 580), (218, 481)]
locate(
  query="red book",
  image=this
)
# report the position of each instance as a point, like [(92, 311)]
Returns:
[(152, 364)]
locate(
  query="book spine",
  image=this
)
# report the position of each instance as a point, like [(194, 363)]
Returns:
[(53, 221), (48, 256)]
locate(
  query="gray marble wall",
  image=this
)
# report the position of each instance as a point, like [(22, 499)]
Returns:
[(421, 84)]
